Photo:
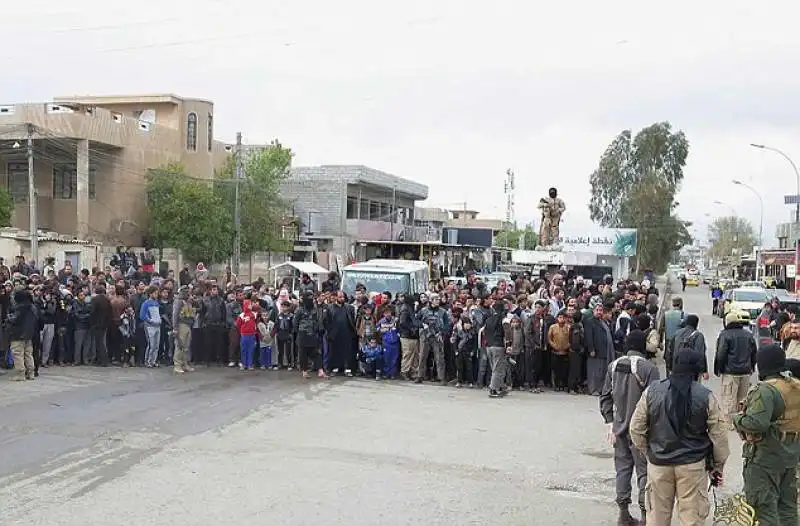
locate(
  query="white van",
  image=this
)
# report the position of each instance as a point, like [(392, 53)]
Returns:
[(386, 275)]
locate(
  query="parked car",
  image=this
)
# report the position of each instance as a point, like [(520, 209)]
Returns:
[(750, 301)]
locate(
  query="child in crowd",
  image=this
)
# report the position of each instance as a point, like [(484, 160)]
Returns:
[(390, 338), (515, 376), (577, 353), (365, 325), (283, 335), (128, 329), (246, 326), (465, 343), (371, 358), (265, 339), (559, 343)]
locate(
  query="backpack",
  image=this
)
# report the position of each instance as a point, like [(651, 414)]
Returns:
[(686, 344)]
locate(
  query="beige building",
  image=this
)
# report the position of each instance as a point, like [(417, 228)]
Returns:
[(455, 218), (91, 156)]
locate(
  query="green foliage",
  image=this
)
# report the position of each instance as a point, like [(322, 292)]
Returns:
[(728, 234), (262, 209), (634, 186), (6, 207), (185, 214), (511, 238)]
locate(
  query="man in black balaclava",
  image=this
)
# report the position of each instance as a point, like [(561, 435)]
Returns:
[(769, 424), (678, 423)]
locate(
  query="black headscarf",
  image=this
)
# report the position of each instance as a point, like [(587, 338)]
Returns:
[(687, 366), (771, 360)]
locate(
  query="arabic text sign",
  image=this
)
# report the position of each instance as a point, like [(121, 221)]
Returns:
[(620, 242)]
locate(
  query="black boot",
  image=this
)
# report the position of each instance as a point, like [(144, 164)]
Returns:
[(625, 517)]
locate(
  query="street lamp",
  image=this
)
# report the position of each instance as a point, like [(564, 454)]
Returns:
[(761, 202), (796, 210), (760, 224), (796, 174)]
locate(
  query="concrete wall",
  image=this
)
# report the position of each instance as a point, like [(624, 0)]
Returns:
[(88, 255)]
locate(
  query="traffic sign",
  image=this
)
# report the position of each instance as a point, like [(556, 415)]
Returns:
[(791, 199)]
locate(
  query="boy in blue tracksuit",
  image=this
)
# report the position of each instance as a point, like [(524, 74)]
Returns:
[(150, 316), (390, 338), (370, 359)]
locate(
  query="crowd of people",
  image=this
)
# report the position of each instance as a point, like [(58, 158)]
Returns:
[(528, 333)]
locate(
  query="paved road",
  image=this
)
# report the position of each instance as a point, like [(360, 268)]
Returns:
[(111, 446)]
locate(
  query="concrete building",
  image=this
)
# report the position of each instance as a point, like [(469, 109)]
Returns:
[(91, 156), (343, 206)]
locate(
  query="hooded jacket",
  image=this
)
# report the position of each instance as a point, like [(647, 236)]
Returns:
[(246, 322)]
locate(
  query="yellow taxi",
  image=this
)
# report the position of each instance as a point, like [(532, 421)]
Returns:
[(692, 280)]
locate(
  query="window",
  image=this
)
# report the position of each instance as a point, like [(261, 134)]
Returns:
[(374, 211), (385, 213), (364, 209), (210, 132), (352, 207), (65, 181), (18, 181), (191, 132), (748, 296)]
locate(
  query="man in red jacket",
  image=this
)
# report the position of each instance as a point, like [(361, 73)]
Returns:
[(246, 324)]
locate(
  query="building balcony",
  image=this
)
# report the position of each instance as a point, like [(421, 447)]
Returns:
[(365, 230)]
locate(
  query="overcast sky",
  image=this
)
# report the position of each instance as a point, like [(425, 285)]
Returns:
[(451, 93)]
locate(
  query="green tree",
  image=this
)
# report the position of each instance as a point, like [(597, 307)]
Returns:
[(6, 207), (511, 238), (730, 234), (634, 186), (184, 213), (262, 209)]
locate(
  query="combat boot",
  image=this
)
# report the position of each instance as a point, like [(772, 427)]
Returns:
[(625, 517)]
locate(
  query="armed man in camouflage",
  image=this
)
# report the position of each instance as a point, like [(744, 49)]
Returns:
[(769, 424)]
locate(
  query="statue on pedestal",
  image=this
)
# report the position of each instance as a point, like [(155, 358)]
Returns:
[(552, 208)]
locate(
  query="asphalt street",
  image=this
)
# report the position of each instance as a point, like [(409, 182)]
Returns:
[(85, 446)]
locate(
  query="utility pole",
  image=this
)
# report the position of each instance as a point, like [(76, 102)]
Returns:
[(237, 213), (32, 208), (509, 191), (393, 213)]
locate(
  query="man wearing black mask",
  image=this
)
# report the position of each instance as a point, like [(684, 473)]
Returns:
[(678, 423)]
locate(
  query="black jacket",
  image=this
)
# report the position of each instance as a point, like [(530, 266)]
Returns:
[(23, 320), (407, 323), (213, 312), (100, 311), (736, 352), (81, 312), (47, 310), (596, 338), (495, 333), (667, 446)]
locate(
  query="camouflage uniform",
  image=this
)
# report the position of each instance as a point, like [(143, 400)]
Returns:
[(770, 426), (552, 208)]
